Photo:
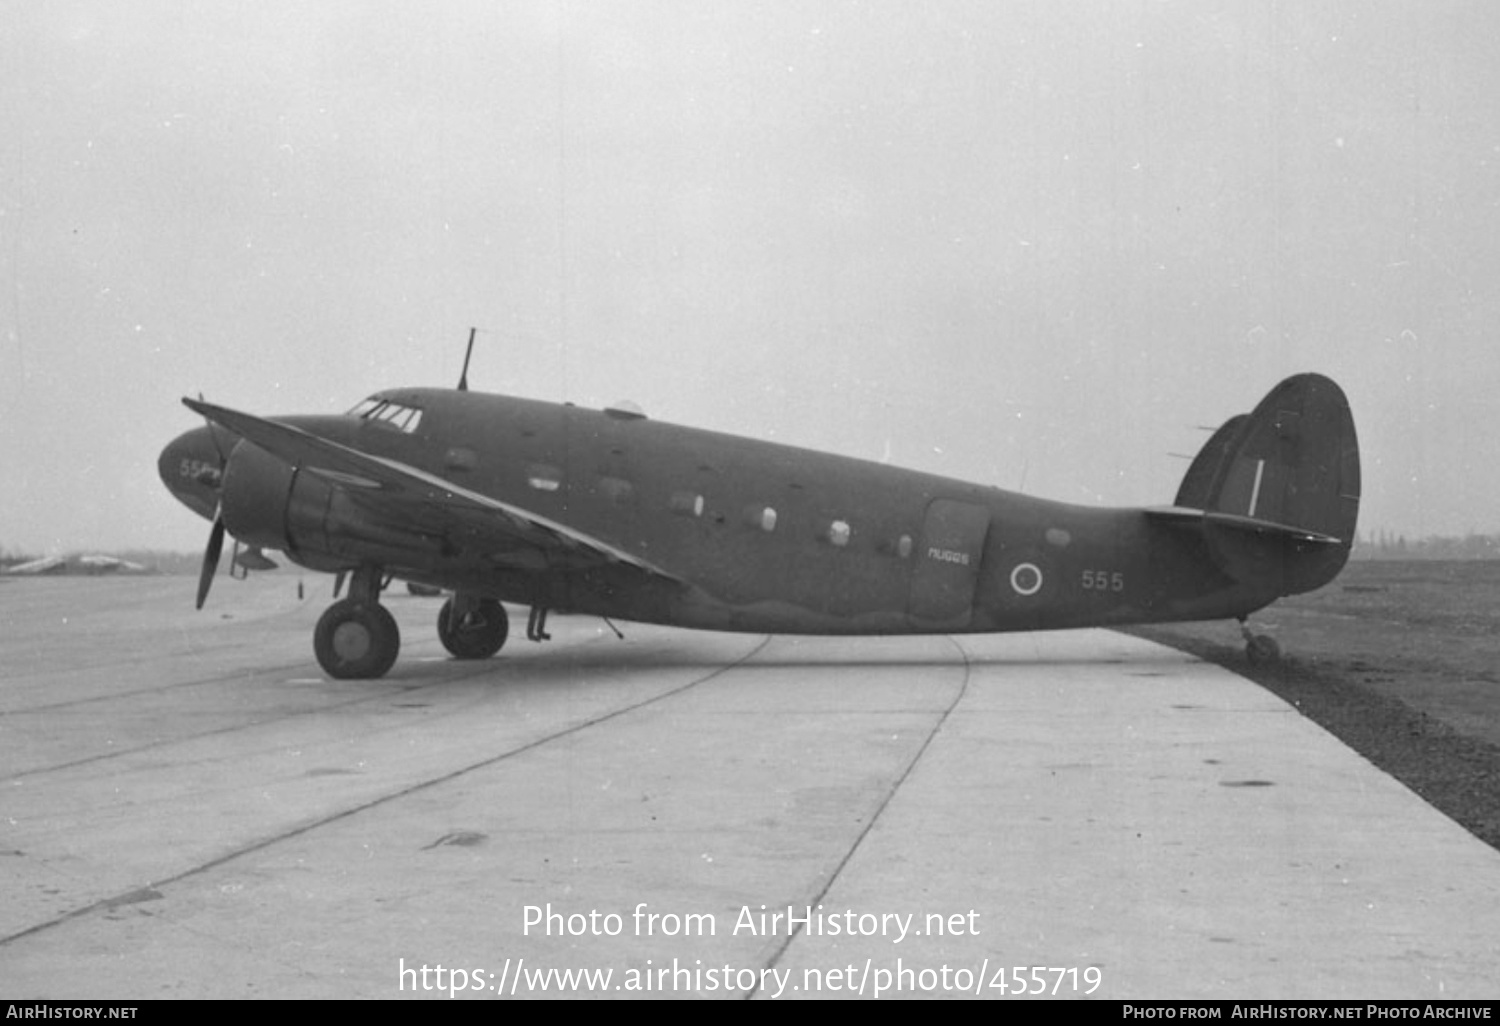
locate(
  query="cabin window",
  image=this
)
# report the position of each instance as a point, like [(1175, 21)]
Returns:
[(839, 533), (763, 517), (544, 477), (688, 504), (903, 547)]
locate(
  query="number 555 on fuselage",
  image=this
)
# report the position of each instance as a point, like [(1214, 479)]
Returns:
[(500, 499)]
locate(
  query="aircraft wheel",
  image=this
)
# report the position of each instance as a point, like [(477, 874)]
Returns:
[(355, 641), (1262, 650), (479, 634)]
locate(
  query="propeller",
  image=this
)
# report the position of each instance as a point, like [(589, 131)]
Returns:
[(216, 533), (211, 557)]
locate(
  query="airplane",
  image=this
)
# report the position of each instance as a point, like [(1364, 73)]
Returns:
[(497, 499), (44, 565), (109, 565), (91, 564)]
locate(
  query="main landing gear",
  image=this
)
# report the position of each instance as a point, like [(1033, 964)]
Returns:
[(357, 637), (472, 628), (1260, 649)]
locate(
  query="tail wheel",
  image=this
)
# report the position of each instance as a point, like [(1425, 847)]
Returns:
[(476, 633), (355, 640), (1262, 650)]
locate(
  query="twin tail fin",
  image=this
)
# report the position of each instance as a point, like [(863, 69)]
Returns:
[(1276, 491)]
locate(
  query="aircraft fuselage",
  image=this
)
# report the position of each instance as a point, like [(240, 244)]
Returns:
[(760, 536)]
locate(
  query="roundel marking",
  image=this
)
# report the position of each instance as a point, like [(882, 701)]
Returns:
[(1026, 579)]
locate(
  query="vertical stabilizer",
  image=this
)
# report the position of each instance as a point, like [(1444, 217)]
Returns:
[(1279, 488), (1197, 482), (1294, 461)]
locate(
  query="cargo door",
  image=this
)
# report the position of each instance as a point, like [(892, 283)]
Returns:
[(947, 563)]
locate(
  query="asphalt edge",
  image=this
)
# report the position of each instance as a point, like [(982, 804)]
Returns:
[(1456, 774)]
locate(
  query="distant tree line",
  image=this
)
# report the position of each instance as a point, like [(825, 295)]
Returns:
[(1388, 545)]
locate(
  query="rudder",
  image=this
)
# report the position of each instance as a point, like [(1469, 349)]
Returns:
[(1282, 504)]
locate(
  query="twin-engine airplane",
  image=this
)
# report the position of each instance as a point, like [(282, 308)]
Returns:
[(608, 513)]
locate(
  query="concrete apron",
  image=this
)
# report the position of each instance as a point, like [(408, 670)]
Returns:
[(1129, 821)]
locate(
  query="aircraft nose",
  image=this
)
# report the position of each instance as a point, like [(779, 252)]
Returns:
[(191, 466)]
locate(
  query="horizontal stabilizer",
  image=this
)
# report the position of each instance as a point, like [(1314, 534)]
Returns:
[(1197, 516)]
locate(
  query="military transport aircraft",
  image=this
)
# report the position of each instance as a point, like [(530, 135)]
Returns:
[(606, 512)]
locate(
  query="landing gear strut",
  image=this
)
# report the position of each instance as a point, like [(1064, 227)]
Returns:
[(1260, 649), (357, 638), (472, 628), (536, 625)]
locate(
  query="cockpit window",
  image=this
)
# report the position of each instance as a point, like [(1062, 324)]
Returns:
[(398, 415)]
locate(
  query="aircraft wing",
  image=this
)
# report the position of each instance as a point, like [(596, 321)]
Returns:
[(400, 491)]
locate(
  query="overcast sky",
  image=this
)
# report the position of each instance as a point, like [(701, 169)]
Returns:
[(1032, 244)]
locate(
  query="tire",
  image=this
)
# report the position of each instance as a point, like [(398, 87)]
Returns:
[(1262, 650), (355, 641), (481, 637)]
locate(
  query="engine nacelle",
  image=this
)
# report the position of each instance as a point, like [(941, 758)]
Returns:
[(266, 502)]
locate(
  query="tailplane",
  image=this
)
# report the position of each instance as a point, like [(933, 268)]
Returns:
[(1277, 491)]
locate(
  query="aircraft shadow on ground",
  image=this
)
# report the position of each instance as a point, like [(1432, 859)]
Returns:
[(565, 666)]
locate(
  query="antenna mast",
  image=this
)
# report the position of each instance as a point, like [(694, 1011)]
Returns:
[(463, 378)]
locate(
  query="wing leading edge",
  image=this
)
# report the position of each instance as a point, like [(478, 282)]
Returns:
[(399, 490)]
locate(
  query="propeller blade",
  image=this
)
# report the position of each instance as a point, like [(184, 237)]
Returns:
[(211, 560)]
